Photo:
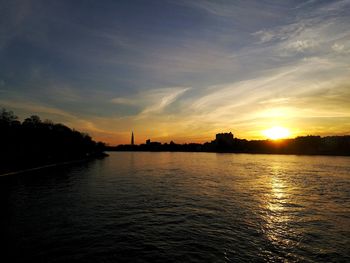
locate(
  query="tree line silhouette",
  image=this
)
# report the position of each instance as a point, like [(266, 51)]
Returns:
[(35, 142)]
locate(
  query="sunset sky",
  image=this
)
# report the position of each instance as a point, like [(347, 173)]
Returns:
[(176, 69)]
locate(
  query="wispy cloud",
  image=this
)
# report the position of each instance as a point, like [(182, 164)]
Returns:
[(302, 45), (341, 48), (124, 101), (162, 98), (152, 101), (35, 108)]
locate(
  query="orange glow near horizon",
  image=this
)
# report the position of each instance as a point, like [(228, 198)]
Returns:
[(276, 133)]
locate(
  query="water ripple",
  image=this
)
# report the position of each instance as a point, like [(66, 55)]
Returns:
[(181, 207)]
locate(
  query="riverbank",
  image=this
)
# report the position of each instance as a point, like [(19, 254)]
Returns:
[(30, 169)]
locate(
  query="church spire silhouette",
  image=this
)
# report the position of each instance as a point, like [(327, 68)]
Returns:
[(132, 138)]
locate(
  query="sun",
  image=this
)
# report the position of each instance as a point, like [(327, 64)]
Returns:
[(276, 133)]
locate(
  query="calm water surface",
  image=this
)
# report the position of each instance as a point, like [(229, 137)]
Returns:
[(180, 207)]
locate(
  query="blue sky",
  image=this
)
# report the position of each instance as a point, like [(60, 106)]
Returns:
[(178, 70)]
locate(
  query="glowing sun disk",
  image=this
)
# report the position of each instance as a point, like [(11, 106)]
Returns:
[(276, 133)]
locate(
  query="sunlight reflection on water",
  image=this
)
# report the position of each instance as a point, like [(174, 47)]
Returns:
[(277, 219), (182, 207)]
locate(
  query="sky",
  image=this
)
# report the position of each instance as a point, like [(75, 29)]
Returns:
[(178, 70)]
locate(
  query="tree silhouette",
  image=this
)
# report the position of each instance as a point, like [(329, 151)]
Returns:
[(34, 142)]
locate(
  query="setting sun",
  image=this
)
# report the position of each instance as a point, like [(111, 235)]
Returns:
[(276, 133)]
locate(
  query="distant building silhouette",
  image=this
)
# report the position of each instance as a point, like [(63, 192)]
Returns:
[(227, 143), (224, 139)]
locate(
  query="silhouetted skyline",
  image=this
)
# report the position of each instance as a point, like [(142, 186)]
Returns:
[(227, 143)]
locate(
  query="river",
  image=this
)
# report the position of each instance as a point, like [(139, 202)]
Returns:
[(180, 207)]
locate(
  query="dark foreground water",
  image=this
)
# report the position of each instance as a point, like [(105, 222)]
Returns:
[(180, 207)]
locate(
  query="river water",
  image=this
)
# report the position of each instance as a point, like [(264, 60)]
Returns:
[(180, 207)]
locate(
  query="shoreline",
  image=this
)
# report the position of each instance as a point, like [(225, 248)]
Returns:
[(49, 166)]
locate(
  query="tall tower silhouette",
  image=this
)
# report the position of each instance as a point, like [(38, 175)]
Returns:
[(132, 138)]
